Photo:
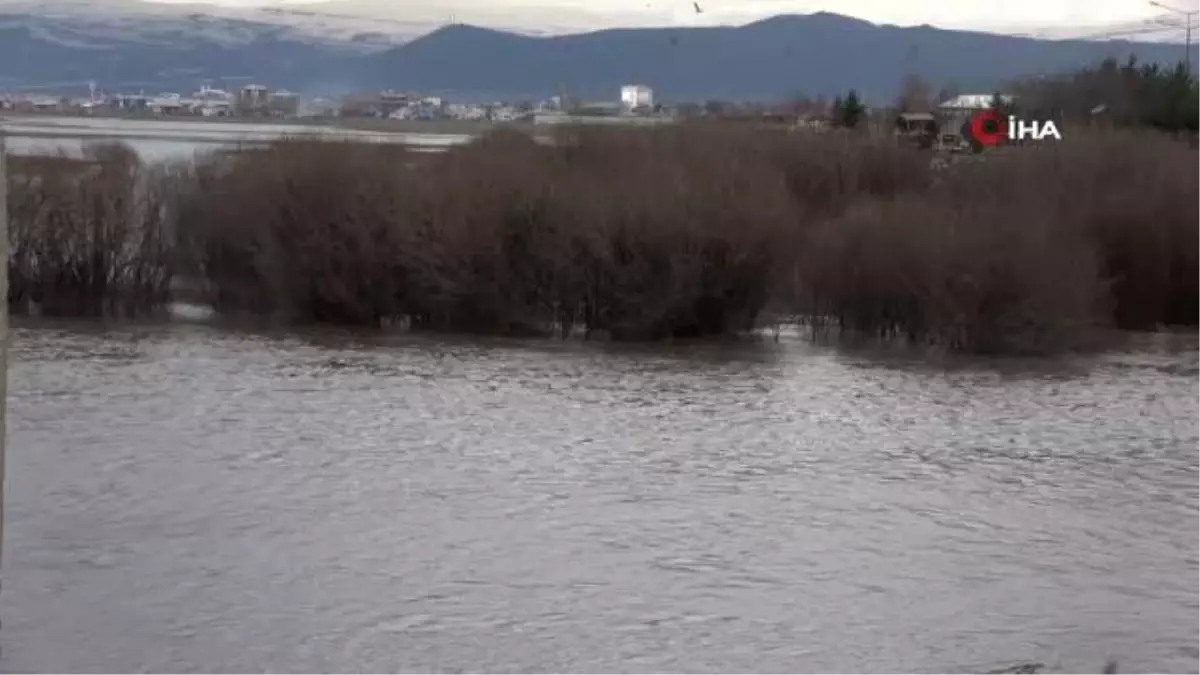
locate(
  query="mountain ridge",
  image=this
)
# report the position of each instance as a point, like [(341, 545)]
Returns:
[(770, 58), (816, 54)]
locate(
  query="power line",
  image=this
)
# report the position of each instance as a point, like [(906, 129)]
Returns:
[(1148, 30), (1188, 16), (1127, 28)]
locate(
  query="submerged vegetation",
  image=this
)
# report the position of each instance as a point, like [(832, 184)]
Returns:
[(687, 231), (87, 237)]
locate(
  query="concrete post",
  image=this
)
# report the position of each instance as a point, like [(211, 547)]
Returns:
[(3, 327)]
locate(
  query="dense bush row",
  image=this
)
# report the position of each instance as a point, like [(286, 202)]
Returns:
[(638, 234)]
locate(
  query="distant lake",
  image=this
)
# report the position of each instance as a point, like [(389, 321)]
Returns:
[(159, 140)]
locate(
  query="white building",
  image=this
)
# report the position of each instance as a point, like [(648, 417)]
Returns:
[(466, 111), (207, 93), (318, 107), (166, 104), (214, 108), (283, 103), (253, 98), (955, 114), (635, 96), (972, 102)]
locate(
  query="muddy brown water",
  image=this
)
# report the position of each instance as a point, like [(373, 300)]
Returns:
[(187, 498)]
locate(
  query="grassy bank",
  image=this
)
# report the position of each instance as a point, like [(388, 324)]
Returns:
[(687, 231)]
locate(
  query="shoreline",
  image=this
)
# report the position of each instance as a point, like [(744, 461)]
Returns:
[(108, 136), (353, 124), (35, 131)]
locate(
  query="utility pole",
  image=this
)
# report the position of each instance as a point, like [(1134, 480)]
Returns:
[(1187, 19)]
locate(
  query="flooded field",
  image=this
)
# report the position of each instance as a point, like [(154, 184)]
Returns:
[(184, 498), (157, 140)]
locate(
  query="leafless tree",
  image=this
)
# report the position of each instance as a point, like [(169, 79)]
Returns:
[(916, 95)]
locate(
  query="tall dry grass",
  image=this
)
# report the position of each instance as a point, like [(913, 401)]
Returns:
[(684, 231)]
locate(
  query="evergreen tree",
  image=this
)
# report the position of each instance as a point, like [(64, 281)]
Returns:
[(852, 111), (836, 110)]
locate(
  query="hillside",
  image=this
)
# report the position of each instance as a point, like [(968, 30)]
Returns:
[(814, 54), (55, 44), (62, 45)]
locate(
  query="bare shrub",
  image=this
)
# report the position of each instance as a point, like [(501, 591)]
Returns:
[(1024, 251), (504, 235), (302, 229), (1136, 196), (983, 277), (680, 239), (1133, 196), (88, 236), (683, 231)]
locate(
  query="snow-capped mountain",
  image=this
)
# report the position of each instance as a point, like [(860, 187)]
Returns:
[(65, 44), (337, 46), (356, 25), (86, 22), (54, 43)]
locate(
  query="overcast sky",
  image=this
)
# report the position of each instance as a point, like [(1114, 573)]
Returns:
[(948, 13)]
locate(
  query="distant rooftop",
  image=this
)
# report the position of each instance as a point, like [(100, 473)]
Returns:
[(972, 101)]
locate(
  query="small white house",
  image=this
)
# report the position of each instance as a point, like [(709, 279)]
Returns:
[(635, 96)]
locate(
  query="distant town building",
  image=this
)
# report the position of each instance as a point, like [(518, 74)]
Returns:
[(318, 107), (168, 104), (40, 103), (375, 104), (209, 102), (504, 113), (209, 95), (283, 104), (253, 99), (131, 101), (466, 111), (636, 97), (602, 108), (214, 108)]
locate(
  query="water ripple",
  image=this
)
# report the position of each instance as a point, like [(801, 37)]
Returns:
[(189, 499)]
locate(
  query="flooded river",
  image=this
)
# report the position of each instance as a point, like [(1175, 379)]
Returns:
[(184, 498)]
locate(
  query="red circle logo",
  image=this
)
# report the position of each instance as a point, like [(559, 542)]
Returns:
[(989, 127)]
